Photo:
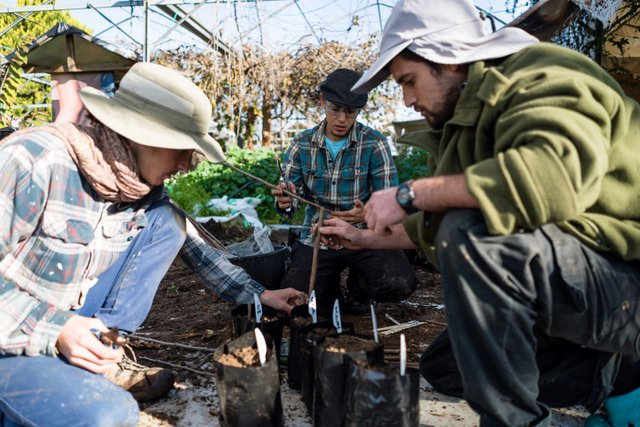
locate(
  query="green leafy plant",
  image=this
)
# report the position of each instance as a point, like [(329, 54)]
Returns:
[(192, 191), (411, 163)]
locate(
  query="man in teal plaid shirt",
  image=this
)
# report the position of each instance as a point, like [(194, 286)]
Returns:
[(338, 165)]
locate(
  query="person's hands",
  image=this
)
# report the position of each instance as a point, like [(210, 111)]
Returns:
[(352, 216), (336, 234), (283, 299), (382, 210), (81, 347), (284, 201)]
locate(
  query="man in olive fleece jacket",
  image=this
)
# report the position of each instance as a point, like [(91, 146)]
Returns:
[(532, 214)]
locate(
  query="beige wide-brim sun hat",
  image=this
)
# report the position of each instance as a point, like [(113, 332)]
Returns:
[(441, 31), (157, 107)]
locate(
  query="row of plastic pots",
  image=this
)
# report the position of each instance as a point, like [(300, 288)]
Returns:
[(343, 378)]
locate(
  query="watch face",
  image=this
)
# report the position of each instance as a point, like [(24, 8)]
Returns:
[(403, 195)]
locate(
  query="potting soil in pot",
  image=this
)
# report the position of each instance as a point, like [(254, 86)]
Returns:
[(249, 392), (241, 358), (349, 343), (381, 390), (331, 358), (270, 324)]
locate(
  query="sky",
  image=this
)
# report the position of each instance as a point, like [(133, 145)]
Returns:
[(273, 24)]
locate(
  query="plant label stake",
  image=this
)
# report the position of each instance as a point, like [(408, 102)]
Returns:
[(313, 307), (375, 323), (262, 346), (258, 304), (337, 321), (403, 355)]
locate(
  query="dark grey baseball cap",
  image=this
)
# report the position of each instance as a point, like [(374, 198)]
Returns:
[(337, 89)]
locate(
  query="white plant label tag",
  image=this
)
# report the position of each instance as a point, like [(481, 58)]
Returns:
[(337, 321), (313, 307), (262, 346), (403, 355), (258, 304), (375, 323)]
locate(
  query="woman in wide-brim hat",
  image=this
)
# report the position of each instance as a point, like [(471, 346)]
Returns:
[(87, 233)]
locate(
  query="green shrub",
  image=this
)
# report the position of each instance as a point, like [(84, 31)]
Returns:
[(193, 190), (411, 163)]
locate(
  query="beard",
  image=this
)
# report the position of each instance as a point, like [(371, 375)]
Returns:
[(443, 110)]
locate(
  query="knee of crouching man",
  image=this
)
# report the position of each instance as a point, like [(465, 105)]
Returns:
[(394, 289), (456, 226)]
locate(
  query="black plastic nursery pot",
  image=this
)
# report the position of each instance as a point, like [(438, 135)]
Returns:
[(270, 324), (298, 319), (331, 358), (381, 390), (266, 269), (249, 393), (310, 336)]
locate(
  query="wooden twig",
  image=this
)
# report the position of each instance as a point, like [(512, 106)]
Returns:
[(173, 365), (202, 231), (270, 185), (316, 251), (435, 323), (171, 344)]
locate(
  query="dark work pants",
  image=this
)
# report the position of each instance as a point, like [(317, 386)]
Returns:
[(387, 274), (535, 319)]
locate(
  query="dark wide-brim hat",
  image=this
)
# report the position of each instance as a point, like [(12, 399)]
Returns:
[(336, 88)]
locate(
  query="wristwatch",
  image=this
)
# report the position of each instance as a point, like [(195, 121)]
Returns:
[(405, 197)]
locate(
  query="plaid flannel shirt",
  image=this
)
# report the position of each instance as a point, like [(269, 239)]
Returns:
[(363, 166), (57, 235)]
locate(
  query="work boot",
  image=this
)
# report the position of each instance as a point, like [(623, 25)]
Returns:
[(620, 411), (142, 382), (356, 301), (357, 304)]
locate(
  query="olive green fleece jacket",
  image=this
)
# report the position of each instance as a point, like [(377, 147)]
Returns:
[(545, 136)]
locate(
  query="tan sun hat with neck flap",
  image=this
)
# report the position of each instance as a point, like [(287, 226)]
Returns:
[(157, 107), (441, 31)]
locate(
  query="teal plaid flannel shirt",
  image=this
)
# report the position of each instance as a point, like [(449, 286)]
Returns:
[(363, 166)]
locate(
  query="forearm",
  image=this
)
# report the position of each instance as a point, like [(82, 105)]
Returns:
[(230, 282), (440, 193), (395, 238)]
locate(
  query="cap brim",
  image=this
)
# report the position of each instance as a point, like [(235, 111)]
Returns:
[(144, 130), (377, 73)]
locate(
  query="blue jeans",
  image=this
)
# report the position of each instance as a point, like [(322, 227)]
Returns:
[(48, 391)]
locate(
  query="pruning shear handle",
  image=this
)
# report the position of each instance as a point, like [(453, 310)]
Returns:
[(286, 183), (109, 339)]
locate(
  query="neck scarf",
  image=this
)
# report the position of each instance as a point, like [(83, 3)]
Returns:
[(104, 158)]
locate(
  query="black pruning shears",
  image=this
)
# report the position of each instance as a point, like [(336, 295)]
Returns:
[(283, 181), (109, 339)]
